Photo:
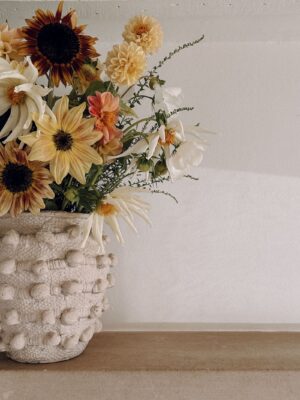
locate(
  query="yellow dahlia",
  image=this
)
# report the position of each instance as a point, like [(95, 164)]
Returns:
[(65, 141), (23, 183), (10, 40), (145, 32), (125, 63), (56, 44)]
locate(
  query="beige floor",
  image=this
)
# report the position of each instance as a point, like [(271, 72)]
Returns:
[(149, 385), (165, 366), (181, 351)]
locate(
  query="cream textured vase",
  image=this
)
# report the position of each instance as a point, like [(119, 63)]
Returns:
[(52, 291)]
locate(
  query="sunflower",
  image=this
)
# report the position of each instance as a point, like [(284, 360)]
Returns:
[(23, 183), (65, 141), (57, 44)]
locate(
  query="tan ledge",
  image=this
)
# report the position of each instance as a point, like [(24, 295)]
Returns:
[(181, 351)]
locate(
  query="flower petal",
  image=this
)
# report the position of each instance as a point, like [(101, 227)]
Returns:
[(72, 118), (60, 166), (61, 108)]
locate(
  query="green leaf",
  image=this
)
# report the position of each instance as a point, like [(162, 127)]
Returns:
[(126, 110), (99, 86)]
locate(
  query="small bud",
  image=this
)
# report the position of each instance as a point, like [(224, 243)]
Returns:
[(144, 165), (72, 195), (160, 168), (154, 80)]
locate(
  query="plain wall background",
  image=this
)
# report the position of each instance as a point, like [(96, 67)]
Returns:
[(229, 252)]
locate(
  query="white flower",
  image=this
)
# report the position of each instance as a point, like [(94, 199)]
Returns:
[(123, 203), (20, 94), (180, 152), (168, 135), (167, 99), (189, 154)]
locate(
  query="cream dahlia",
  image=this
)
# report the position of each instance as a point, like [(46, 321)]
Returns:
[(10, 40), (23, 183), (21, 95), (125, 63), (144, 31), (65, 141)]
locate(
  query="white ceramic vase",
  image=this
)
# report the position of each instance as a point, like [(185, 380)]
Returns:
[(52, 291)]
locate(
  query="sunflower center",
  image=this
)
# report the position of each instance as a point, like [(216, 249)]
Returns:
[(14, 97), (63, 140), (106, 209), (16, 177), (58, 43)]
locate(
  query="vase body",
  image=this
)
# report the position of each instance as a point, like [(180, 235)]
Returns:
[(52, 289)]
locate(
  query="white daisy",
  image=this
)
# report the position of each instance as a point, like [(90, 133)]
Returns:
[(168, 135), (167, 99), (188, 153), (20, 95), (123, 203)]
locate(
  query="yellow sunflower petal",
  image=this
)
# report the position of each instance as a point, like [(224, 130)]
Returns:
[(78, 169), (42, 150), (6, 199), (46, 125), (17, 205), (29, 139), (60, 166), (87, 153), (87, 134), (72, 118), (60, 109)]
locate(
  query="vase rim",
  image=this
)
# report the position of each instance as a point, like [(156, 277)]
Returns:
[(48, 213)]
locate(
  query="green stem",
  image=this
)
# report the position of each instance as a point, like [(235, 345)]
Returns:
[(138, 122), (65, 200), (126, 91), (50, 97), (96, 176)]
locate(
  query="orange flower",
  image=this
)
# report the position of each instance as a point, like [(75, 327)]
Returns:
[(105, 107), (57, 44)]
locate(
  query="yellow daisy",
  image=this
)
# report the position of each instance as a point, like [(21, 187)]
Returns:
[(65, 141)]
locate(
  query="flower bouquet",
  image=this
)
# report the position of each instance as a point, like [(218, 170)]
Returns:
[(84, 159)]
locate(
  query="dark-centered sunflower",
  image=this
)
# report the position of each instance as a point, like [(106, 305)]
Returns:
[(56, 44), (23, 183)]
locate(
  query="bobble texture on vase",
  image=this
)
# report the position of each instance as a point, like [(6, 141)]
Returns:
[(52, 291)]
